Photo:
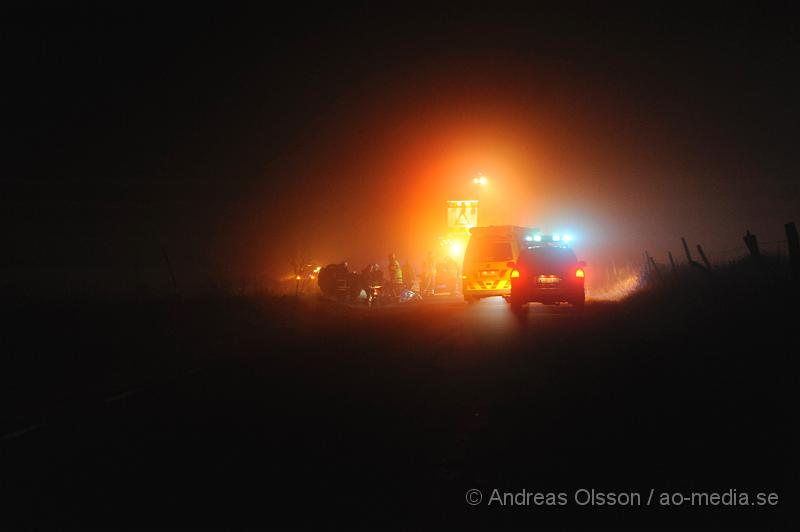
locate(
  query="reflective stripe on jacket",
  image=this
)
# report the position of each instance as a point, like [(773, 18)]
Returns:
[(395, 271)]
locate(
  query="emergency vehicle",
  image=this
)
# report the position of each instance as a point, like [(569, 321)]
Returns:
[(548, 272), (491, 255)]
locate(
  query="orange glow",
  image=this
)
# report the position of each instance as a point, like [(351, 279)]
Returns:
[(430, 162), (515, 274), (297, 277), (433, 153), (579, 273)]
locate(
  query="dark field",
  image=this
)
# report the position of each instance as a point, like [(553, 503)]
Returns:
[(270, 411)]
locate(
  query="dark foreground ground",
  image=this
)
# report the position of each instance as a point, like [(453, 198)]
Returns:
[(271, 412)]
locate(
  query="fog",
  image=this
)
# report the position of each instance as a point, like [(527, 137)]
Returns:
[(564, 156), (238, 143)]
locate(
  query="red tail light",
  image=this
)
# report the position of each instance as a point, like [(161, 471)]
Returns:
[(514, 274), (579, 273)]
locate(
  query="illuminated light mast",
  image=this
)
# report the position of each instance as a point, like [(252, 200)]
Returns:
[(462, 215)]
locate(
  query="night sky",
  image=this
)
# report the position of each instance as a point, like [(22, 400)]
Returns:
[(237, 139)]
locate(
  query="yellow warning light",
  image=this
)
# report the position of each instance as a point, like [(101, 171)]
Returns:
[(515, 274), (297, 277)]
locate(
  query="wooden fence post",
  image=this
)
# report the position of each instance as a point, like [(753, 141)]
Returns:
[(703, 256), (692, 263), (794, 250), (654, 266), (686, 249), (751, 242)]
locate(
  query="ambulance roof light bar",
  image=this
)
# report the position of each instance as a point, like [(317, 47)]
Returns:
[(538, 237)]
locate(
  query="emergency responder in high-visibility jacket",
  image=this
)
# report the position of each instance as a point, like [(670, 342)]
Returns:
[(395, 276)]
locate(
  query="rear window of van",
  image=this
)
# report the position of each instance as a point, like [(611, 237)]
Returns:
[(489, 251)]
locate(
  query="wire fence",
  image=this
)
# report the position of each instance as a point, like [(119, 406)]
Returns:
[(775, 248), (617, 282)]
